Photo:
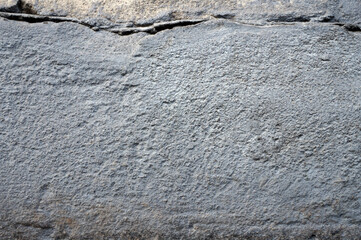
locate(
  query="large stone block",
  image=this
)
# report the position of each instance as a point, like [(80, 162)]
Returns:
[(191, 130), (135, 10)]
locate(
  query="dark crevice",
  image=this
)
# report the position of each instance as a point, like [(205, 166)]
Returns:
[(35, 225), (224, 15), (26, 8), (155, 28), (30, 18), (352, 28), (339, 24), (349, 27), (327, 18), (33, 18), (179, 23), (126, 33), (290, 18), (29, 15)]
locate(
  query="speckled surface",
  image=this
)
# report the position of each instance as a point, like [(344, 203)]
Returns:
[(220, 130)]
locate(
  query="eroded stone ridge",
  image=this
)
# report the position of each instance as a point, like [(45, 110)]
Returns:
[(159, 10)]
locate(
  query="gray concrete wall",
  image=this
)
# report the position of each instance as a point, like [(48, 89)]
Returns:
[(232, 124)]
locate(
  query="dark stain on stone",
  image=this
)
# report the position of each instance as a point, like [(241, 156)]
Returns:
[(290, 18), (36, 225), (352, 27), (26, 8)]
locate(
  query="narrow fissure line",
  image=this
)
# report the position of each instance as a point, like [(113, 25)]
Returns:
[(151, 29), (352, 27), (156, 28), (31, 18)]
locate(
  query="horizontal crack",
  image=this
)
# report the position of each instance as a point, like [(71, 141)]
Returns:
[(153, 29), (290, 18), (32, 18), (158, 27), (36, 225), (303, 18), (352, 28)]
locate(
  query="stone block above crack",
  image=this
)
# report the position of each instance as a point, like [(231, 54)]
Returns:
[(9, 5), (141, 10)]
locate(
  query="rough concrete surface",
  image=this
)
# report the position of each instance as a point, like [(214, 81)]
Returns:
[(183, 128)]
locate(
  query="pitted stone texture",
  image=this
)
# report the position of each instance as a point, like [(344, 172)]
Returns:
[(138, 10), (219, 130)]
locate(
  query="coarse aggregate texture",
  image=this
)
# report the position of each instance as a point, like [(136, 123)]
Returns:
[(218, 130)]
